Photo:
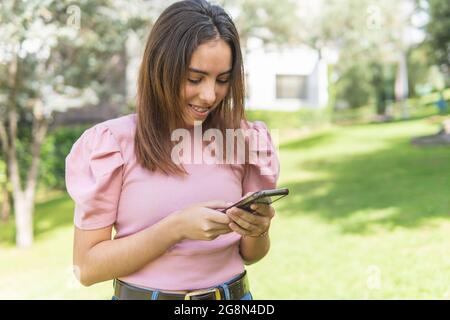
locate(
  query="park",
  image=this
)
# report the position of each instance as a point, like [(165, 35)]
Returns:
[(362, 134)]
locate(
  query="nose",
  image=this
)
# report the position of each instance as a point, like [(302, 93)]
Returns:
[(208, 94)]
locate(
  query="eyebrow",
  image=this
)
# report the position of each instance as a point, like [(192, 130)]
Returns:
[(206, 73)]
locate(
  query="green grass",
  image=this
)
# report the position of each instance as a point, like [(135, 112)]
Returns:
[(45, 270), (367, 218)]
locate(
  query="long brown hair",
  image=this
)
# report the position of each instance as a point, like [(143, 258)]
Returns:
[(178, 31)]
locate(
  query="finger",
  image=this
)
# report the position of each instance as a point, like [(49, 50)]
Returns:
[(219, 229), (236, 228), (220, 226), (245, 215), (225, 230), (265, 210), (244, 224), (218, 217)]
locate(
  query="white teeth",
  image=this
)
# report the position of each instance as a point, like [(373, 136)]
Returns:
[(202, 110)]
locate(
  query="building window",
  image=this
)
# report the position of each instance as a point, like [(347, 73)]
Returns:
[(291, 87)]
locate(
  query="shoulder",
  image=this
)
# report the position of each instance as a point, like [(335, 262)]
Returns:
[(256, 129), (255, 125), (122, 128), (115, 135)]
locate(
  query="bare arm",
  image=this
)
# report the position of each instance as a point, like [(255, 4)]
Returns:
[(98, 258), (253, 249)]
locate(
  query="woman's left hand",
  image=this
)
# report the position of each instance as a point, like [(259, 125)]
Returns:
[(251, 224)]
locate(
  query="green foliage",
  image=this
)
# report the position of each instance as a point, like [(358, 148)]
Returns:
[(419, 71), (354, 87), (438, 33), (370, 36), (305, 117), (274, 119), (56, 55), (70, 51), (23, 145), (383, 79), (271, 21), (55, 148), (363, 83)]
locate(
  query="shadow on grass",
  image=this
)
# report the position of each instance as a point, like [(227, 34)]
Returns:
[(48, 216), (400, 186)]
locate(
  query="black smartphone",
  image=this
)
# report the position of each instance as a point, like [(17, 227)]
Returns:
[(262, 196)]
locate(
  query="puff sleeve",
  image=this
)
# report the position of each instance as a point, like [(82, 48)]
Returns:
[(264, 167), (94, 178)]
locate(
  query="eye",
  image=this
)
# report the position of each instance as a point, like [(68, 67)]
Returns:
[(194, 81), (223, 81)]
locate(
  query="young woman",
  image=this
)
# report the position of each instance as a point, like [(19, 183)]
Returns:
[(171, 240)]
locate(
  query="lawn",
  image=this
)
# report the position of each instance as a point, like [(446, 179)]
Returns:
[(367, 218)]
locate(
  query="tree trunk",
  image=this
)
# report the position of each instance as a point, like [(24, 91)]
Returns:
[(6, 208), (401, 85), (23, 209), (24, 200)]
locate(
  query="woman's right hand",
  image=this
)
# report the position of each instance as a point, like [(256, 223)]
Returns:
[(201, 222)]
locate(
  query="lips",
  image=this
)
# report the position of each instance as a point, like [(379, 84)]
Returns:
[(199, 111)]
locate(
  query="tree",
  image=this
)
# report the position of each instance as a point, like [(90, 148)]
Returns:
[(273, 22), (53, 56), (4, 194), (365, 34), (438, 34)]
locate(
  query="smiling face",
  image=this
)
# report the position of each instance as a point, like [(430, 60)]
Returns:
[(208, 79)]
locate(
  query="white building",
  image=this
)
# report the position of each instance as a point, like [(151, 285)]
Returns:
[(285, 79)]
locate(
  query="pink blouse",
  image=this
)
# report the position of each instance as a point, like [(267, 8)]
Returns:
[(109, 187)]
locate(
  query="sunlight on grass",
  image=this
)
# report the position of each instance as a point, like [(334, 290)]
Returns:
[(368, 220), (45, 271)]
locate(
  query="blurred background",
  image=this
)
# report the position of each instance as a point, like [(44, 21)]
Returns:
[(357, 94)]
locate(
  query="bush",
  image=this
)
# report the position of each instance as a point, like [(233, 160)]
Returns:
[(354, 88), (55, 148), (305, 117)]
